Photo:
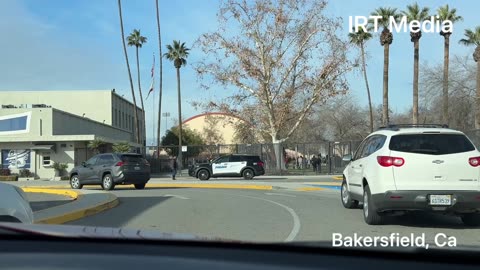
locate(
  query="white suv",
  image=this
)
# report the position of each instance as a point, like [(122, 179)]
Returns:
[(404, 168)]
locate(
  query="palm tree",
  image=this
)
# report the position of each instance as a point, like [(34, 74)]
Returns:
[(135, 117), (386, 39), (137, 40), (359, 39), (444, 14), (96, 146), (415, 13), (472, 38), (177, 53), (161, 79)]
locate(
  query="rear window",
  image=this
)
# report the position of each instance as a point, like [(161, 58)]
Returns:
[(431, 144), (132, 159)]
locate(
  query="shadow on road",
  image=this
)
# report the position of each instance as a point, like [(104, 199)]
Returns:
[(428, 220), (129, 208), (40, 205)]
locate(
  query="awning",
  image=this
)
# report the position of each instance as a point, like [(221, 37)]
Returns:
[(43, 147)]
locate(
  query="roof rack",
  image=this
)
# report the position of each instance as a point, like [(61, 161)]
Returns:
[(398, 126)]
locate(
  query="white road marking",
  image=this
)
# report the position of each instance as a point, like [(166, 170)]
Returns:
[(280, 194), (176, 196)]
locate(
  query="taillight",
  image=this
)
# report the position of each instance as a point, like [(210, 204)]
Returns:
[(120, 163), (386, 161), (260, 164), (474, 161)]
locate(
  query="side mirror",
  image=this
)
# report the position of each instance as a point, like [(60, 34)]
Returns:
[(84, 164), (347, 158)]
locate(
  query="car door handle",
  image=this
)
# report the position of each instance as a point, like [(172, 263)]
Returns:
[(360, 165)]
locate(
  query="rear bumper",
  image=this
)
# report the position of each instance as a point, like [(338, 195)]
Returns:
[(132, 178), (259, 171), (407, 200)]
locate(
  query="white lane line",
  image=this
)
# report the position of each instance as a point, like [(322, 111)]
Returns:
[(296, 220), (176, 196), (280, 194)]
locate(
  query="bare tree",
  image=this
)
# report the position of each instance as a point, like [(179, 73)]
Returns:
[(285, 58)]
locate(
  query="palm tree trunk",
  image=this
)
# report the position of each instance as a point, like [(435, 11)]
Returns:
[(386, 51), (477, 109), (161, 79), (179, 121), (416, 52), (446, 57), (135, 116), (141, 96), (364, 66)]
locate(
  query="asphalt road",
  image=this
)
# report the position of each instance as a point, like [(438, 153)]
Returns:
[(253, 215)]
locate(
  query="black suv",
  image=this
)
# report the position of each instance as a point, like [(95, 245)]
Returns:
[(109, 170), (246, 166)]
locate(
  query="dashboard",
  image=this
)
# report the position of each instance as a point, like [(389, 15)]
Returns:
[(28, 252)]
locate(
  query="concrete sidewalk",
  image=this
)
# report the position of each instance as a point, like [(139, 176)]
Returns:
[(82, 203)]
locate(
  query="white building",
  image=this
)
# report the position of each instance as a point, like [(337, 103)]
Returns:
[(38, 128)]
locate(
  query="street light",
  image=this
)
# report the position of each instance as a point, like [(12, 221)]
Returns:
[(166, 115)]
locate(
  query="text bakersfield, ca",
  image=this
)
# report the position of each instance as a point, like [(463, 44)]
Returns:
[(434, 25), (393, 240)]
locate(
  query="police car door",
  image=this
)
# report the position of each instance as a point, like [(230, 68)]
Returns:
[(220, 166), (236, 164)]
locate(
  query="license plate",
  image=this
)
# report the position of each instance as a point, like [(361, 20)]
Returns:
[(440, 199), (137, 168)]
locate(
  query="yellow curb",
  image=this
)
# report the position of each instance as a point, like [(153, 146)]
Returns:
[(78, 214), (309, 189), (224, 186), (70, 193), (337, 178)]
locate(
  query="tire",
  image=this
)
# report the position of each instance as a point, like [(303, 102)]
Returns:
[(248, 174), (139, 186), (370, 213), (107, 182), (472, 219), (203, 175), (345, 197), (75, 182)]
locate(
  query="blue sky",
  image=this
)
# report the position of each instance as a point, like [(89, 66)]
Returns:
[(76, 44)]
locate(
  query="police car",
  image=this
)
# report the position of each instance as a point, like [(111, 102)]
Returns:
[(246, 166)]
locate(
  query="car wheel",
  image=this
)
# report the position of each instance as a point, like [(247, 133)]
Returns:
[(472, 219), (139, 186), (203, 175), (248, 174), (345, 196), (75, 182), (107, 182), (370, 213)]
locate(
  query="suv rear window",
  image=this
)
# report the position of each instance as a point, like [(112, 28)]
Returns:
[(132, 159), (431, 144)]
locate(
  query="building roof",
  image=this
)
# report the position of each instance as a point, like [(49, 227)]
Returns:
[(212, 113)]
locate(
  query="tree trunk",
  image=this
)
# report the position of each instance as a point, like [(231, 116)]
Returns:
[(135, 116), (446, 57), (364, 66), (477, 103), (416, 51), (161, 81), (141, 96), (279, 159), (179, 121), (386, 50)]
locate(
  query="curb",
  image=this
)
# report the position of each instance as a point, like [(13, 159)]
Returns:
[(179, 185), (337, 178), (69, 193), (111, 202)]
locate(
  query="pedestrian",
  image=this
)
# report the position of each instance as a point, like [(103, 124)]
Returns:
[(314, 161), (300, 162), (174, 166)]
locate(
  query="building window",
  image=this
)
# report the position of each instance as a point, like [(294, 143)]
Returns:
[(18, 123), (46, 161)]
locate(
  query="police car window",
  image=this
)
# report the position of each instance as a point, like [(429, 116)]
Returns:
[(222, 159), (236, 159)]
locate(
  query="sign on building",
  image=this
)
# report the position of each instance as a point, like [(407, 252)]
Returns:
[(16, 159)]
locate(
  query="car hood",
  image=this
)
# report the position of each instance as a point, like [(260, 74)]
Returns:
[(73, 231)]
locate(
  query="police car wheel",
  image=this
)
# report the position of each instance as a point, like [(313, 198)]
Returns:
[(248, 174), (203, 175)]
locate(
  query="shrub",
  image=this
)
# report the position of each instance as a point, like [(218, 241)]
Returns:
[(65, 178), (9, 178), (5, 172), (25, 173), (60, 167)]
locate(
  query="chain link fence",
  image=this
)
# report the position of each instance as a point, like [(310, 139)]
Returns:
[(296, 159)]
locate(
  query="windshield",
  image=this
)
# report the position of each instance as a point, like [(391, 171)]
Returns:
[(263, 120)]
